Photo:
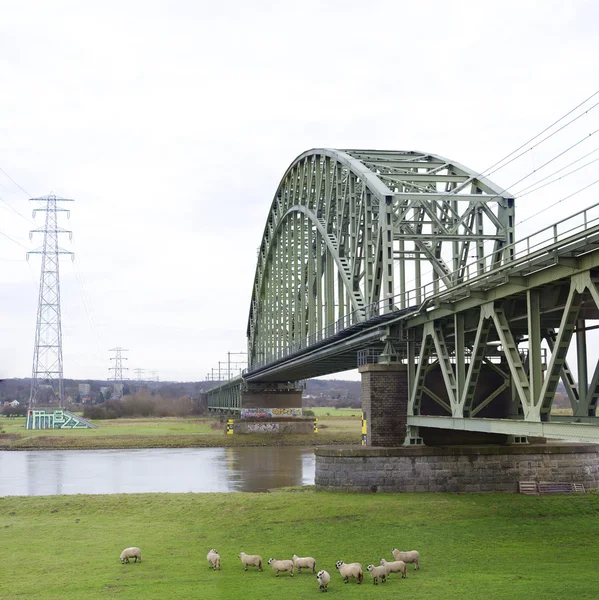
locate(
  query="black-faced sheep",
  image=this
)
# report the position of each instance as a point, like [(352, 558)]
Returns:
[(377, 572), (281, 565), (132, 552), (323, 579), (350, 570)]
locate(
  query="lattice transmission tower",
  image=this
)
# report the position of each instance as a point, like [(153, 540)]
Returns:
[(118, 371), (47, 355)]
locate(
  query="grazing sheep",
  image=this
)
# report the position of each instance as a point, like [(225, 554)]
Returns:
[(323, 579), (128, 553), (304, 563), (398, 566), (377, 572), (250, 560), (213, 559), (350, 570), (281, 565), (408, 557)]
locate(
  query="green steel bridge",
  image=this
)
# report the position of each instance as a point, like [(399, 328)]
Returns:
[(408, 258)]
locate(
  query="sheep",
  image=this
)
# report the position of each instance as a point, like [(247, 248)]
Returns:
[(304, 563), (250, 560), (132, 552), (399, 566), (213, 559), (281, 565), (377, 572), (350, 570), (323, 579), (408, 557)]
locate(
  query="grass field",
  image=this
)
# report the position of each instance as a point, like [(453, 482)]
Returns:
[(492, 546), (322, 411), (165, 433)]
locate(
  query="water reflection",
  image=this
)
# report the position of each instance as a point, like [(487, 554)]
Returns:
[(40, 473)]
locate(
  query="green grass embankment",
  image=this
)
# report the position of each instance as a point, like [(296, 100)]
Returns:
[(492, 546), (165, 433)]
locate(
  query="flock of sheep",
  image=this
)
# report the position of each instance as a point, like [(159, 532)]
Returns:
[(347, 571)]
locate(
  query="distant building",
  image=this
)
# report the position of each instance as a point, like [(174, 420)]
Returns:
[(14, 403), (84, 389)]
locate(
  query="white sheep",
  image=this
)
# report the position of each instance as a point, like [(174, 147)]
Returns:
[(250, 560), (281, 565), (323, 579), (213, 559), (411, 557), (132, 552), (350, 570), (377, 572), (304, 563), (398, 566)]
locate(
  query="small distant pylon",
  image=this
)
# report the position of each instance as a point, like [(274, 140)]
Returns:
[(118, 371), (47, 354)]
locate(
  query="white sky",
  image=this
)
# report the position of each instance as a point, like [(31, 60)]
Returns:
[(171, 124)]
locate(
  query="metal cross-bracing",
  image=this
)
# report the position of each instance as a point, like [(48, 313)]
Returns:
[(408, 258), (356, 234), (46, 374)]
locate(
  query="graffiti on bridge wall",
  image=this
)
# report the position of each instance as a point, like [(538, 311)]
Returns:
[(263, 428), (269, 413)]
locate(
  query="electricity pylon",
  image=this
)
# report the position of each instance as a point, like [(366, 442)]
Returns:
[(47, 354), (118, 371)]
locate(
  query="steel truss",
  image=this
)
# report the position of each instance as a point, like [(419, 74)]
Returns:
[(354, 234), (514, 320)]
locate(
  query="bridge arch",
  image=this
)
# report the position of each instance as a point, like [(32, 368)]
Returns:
[(355, 233)]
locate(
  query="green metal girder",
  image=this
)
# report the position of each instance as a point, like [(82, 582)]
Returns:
[(339, 215)]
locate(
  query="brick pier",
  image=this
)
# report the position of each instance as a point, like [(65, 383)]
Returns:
[(385, 402)]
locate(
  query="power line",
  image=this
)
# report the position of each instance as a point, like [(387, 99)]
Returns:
[(556, 180), (520, 194), (586, 187), (7, 175), (539, 134), (17, 212), (13, 240), (545, 139), (586, 137)]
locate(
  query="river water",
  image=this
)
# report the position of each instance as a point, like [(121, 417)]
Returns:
[(253, 469)]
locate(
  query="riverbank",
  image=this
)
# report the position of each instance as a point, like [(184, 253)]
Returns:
[(167, 433), (501, 546)]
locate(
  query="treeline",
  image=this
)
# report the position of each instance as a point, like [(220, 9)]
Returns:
[(335, 403), (144, 404)]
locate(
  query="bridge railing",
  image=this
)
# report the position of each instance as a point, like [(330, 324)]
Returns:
[(530, 252)]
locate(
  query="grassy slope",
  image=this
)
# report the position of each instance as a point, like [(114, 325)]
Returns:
[(472, 546), (165, 433)]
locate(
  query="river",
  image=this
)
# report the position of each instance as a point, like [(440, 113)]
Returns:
[(252, 469)]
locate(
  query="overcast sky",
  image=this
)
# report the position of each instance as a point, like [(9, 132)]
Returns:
[(171, 124)]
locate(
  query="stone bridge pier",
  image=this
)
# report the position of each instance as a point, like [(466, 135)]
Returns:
[(398, 458)]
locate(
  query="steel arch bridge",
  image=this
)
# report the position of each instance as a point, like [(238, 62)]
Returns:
[(411, 258), (359, 233)]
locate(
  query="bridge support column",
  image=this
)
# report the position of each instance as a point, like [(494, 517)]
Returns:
[(385, 402)]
